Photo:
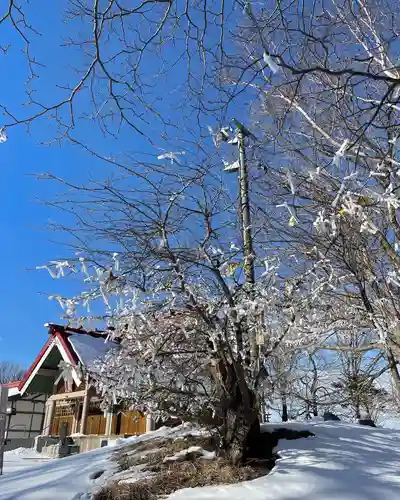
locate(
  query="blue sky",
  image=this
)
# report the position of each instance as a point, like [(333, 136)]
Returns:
[(26, 243)]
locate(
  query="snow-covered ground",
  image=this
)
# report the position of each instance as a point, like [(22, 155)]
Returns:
[(343, 462), (21, 458), (64, 479), (70, 478)]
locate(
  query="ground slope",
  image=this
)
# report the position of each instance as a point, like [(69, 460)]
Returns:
[(342, 462)]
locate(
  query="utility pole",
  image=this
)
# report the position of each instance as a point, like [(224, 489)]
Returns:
[(244, 208), (245, 219), (240, 165), (3, 415)]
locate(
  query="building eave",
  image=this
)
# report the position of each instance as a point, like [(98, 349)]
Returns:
[(57, 339)]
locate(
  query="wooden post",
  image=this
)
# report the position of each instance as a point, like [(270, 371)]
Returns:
[(48, 417), (248, 250), (245, 211), (109, 421), (150, 424), (85, 408), (75, 420)]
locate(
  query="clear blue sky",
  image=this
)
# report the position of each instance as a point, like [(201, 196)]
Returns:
[(26, 243)]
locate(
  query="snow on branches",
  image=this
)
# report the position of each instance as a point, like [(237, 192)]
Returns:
[(176, 341)]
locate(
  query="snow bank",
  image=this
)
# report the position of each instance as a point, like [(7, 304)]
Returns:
[(21, 458), (70, 478), (342, 462)]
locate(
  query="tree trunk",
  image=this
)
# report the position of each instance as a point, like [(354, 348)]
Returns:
[(242, 435), (393, 370), (358, 408), (284, 408), (315, 408), (240, 413)]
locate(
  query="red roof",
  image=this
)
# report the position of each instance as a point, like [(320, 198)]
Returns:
[(55, 332), (61, 333), (10, 385)]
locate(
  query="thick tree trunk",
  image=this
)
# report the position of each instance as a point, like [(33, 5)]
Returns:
[(241, 436), (240, 413)]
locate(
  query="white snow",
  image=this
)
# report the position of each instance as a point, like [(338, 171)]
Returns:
[(64, 479), (198, 450), (21, 458), (70, 478), (89, 349), (342, 462)]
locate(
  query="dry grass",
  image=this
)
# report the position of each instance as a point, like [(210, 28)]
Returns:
[(173, 476), (154, 451), (193, 471)]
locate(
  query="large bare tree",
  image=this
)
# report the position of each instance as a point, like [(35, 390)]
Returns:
[(165, 259)]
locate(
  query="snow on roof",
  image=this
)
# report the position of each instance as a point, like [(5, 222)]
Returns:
[(88, 348), (13, 391), (12, 387)]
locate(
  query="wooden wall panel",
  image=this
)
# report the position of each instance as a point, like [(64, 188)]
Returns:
[(96, 424), (133, 423), (56, 424)]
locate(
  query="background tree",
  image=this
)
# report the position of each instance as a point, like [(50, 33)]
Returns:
[(10, 372), (359, 370), (328, 103)]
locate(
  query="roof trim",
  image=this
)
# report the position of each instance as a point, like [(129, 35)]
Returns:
[(57, 339), (68, 329), (13, 384), (35, 363), (67, 357), (72, 357)]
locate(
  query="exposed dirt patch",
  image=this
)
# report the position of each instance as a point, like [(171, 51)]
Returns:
[(96, 475), (173, 476), (194, 471), (290, 434)]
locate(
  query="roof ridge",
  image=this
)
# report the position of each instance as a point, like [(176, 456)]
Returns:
[(69, 329)]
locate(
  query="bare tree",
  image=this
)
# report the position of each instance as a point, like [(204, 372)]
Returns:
[(10, 372), (326, 89), (166, 258), (124, 62)]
